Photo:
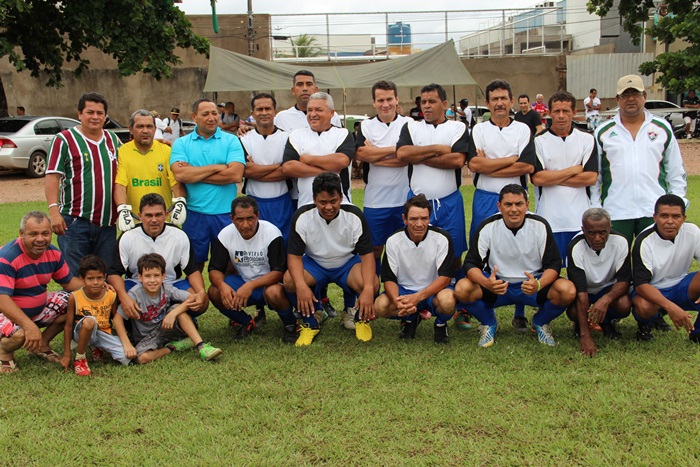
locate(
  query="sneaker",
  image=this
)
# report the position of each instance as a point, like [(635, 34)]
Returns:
[(520, 324), (242, 331), (610, 330), (363, 331), (181, 345), (291, 334), (349, 318), (97, 354), (661, 324), (81, 367), (408, 328), (440, 335), (209, 352), (260, 317), (544, 334), (644, 332), (306, 336), (488, 335), (462, 320), (328, 307), (321, 316)]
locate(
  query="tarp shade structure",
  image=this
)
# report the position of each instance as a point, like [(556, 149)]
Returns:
[(230, 71)]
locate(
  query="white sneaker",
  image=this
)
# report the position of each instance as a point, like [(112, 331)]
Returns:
[(349, 318)]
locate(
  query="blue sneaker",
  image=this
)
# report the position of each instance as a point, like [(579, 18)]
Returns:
[(544, 334), (488, 335)]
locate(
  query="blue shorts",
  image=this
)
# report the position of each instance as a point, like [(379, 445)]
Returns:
[(324, 276), (515, 295), (383, 222), (448, 214), (426, 304), (236, 282), (594, 297), (203, 230), (563, 239), (678, 294), (278, 211), (484, 204), (182, 284)]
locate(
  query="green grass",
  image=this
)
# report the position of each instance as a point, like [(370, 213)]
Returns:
[(343, 402)]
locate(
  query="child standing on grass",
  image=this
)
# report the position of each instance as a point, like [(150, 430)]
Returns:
[(163, 320), (93, 306)]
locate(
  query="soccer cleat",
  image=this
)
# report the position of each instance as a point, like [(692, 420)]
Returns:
[(462, 320), (97, 354), (328, 307), (243, 331), (260, 317), (81, 367), (291, 334), (349, 318), (425, 315), (181, 345), (408, 328), (363, 331), (520, 324), (306, 335), (321, 316), (488, 335), (440, 335), (610, 330), (209, 352), (544, 334), (661, 324), (644, 332)]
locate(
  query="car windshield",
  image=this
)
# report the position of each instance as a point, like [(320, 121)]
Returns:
[(12, 125)]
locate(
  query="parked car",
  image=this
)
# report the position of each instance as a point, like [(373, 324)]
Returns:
[(25, 142), (118, 129), (664, 109)]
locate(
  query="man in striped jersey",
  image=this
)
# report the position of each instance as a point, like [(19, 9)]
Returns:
[(27, 265), (79, 184)]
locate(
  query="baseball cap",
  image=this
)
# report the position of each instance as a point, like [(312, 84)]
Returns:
[(464, 101), (221, 105), (630, 82), (155, 113), (175, 110)]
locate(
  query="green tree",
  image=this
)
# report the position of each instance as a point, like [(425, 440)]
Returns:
[(304, 46), (678, 71), (41, 36)]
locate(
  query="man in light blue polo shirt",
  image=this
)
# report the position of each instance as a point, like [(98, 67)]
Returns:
[(209, 162)]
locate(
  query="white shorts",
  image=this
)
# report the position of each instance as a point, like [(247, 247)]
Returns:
[(102, 340)]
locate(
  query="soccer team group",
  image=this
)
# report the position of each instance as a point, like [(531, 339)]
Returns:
[(296, 230)]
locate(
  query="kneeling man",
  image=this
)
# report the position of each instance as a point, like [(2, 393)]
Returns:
[(512, 259), (256, 251), (599, 267), (27, 265), (330, 242), (416, 270), (661, 257)]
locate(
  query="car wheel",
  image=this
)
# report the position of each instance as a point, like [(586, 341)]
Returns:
[(37, 165)]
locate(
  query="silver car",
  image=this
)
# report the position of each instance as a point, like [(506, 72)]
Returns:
[(25, 142)]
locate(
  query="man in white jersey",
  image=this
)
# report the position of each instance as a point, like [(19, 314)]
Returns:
[(386, 176), (501, 152), (416, 271), (639, 160), (255, 250), (566, 165), (303, 86), (661, 257), (599, 266), (513, 259), (436, 149), (593, 105)]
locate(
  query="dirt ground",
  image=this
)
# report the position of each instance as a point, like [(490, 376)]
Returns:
[(16, 187)]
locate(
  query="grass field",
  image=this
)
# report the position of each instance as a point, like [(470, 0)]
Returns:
[(343, 402)]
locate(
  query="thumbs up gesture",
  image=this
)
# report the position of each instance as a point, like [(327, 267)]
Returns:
[(531, 285), (496, 285)]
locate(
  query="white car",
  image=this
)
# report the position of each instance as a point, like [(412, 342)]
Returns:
[(661, 108), (25, 142)]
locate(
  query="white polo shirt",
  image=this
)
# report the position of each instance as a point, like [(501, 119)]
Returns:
[(498, 143), (434, 183), (265, 150), (414, 266), (592, 271), (635, 172), (385, 187), (293, 119), (664, 263), (561, 205)]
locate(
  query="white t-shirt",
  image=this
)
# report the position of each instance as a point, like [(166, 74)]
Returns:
[(596, 102), (160, 126), (175, 126), (265, 150)]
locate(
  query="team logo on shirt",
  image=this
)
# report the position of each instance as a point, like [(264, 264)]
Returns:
[(612, 133), (160, 167), (652, 135), (249, 258)]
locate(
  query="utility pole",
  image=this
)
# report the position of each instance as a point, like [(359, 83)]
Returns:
[(251, 29)]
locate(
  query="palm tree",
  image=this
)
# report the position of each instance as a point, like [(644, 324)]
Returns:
[(304, 46)]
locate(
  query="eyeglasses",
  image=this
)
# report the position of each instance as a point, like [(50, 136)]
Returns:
[(628, 94)]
